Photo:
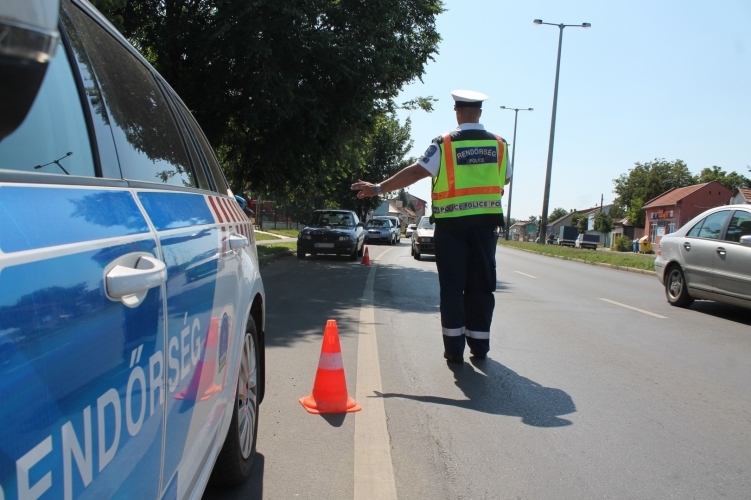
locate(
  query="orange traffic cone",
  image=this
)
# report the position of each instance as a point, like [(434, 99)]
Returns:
[(366, 258), (202, 386), (330, 387)]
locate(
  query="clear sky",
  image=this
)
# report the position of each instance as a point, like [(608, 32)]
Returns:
[(650, 79)]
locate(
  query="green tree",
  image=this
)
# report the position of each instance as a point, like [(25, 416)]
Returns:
[(582, 224), (635, 214), (731, 180), (616, 212), (377, 156), (557, 214), (603, 222), (580, 221), (285, 90), (648, 180)]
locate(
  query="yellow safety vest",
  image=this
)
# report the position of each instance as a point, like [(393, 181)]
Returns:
[(470, 179)]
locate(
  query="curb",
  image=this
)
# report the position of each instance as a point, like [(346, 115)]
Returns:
[(599, 264)]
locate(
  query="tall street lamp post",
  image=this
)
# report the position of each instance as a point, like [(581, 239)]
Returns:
[(513, 154), (546, 198)]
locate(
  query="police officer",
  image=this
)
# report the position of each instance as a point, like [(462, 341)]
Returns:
[(468, 166)]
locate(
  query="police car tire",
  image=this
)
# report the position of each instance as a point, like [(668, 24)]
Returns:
[(231, 468)]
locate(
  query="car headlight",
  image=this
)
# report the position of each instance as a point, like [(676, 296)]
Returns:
[(344, 238), (306, 236)]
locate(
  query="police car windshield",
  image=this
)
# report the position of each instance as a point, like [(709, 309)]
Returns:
[(426, 224), (340, 219)]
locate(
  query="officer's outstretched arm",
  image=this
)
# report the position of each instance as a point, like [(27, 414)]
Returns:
[(403, 178)]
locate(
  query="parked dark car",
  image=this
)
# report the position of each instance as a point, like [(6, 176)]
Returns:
[(337, 232)]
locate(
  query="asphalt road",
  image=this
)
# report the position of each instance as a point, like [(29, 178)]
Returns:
[(580, 397)]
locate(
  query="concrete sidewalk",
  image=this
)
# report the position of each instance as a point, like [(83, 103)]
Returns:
[(279, 240)]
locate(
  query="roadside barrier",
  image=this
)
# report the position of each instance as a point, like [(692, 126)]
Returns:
[(330, 387)]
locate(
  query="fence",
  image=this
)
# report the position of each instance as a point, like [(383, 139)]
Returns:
[(280, 215)]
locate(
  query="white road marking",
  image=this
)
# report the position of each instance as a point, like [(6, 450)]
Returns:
[(633, 308), (525, 274), (374, 470)]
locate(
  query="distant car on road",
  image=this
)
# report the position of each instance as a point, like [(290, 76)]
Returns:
[(409, 230), (422, 238), (337, 232), (396, 223), (708, 258), (380, 231)]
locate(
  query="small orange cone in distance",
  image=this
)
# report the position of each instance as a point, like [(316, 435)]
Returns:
[(330, 387), (366, 258)]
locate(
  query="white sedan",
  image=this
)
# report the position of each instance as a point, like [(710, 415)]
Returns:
[(422, 238)]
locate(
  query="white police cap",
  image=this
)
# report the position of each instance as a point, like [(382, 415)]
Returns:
[(468, 98)]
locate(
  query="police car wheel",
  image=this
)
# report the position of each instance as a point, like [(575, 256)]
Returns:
[(234, 462)]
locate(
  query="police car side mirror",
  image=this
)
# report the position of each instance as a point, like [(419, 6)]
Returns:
[(28, 42)]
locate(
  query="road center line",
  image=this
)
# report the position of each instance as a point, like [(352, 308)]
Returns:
[(525, 274), (633, 308), (374, 471)]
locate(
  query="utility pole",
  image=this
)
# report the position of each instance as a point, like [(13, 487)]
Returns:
[(513, 173), (546, 196)]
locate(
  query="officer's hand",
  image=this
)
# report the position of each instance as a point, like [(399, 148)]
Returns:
[(366, 189)]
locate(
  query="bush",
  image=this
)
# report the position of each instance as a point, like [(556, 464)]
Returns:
[(623, 244)]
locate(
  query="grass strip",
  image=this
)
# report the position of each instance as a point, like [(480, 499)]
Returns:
[(274, 251), (289, 233), (617, 259)]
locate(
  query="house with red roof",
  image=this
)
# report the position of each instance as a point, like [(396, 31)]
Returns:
[(674, 208), (741, 196)]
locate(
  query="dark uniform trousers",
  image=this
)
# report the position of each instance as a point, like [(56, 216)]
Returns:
[(465, 258)]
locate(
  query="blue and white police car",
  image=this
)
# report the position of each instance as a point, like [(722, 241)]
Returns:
[(131, 305)]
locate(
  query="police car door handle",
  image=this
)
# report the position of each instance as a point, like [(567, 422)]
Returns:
[(130, 284), (237, 241)]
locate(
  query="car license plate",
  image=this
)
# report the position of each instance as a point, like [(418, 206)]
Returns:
[(324, 245)]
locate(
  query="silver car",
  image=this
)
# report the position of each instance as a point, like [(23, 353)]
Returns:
[(708, 258), (396, 226)]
